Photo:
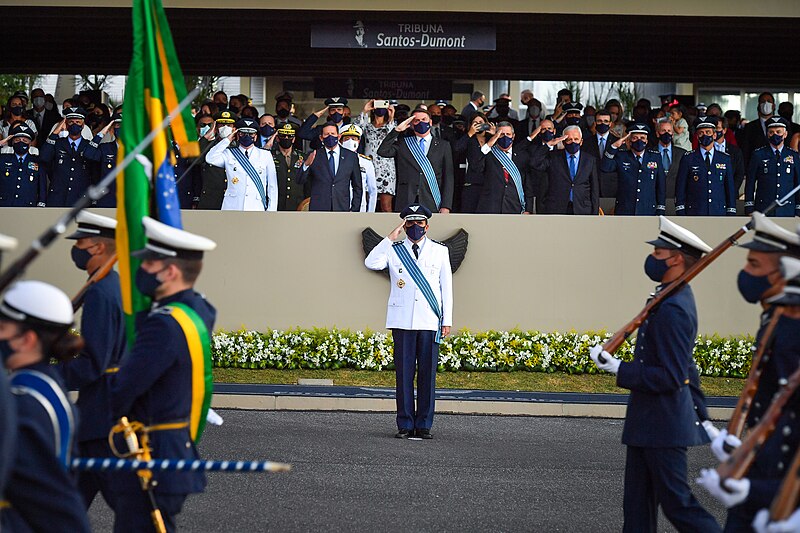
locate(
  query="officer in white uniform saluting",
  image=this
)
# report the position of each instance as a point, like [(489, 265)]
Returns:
[(252, 180), (420, 313)]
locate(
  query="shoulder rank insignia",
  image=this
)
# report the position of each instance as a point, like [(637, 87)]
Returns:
[(368, 158)]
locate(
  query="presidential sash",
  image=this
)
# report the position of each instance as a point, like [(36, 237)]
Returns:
[(512, 170), (422, 283), (199, 343), (427, 169), (251, 171), (55, 403)]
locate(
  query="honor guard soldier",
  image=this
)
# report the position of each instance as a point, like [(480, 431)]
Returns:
[(705, 182), (641, 181), (70, 172), (773, 173), (156, 378), (213, 177), (24, 182), (349, 138), (252, 183), (420, 312), (105, 155), (334, 108), (103, 331), (8, 413), (35, 319), (661, 420), (761, 281), (288, 162)]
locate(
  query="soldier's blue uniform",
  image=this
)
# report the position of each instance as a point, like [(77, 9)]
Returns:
[(23, 182), (71, 172), (105, 157), (641, 188), (705, 191), (190, 185), (8, 413), (770, 178)]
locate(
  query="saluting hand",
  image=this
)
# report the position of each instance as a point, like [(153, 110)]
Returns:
[(232, 136), (61, 127), (403, 126), (106, 128), (619, 142), (310, 158), (396, 232), (209, 136), (557, 140), (323, 111), (5, 141)]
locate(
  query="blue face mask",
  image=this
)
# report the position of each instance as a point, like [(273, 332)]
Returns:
[(705, 140), (752, 287), (5, 350), (245, 140), (504, 142), (80, 257), (422, 127), (75, 129), (548, 136), (148, 283), (639, 145), (720, 134), (335, 117), (415, 232), (655, 268), (775, 139), (572, 148), (204, 130), (330, 141), (572, 121), (266, 130), (381, 112), (602, 129), (20, 148), (665, 138)]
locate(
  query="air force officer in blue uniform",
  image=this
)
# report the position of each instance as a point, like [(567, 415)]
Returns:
[(773, 173), (24, 181), (661, 421), (420, 312)]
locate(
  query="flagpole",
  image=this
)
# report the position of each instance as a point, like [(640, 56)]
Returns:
[(95, 192)]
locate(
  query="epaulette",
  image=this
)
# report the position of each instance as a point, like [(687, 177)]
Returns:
[(652, 151), (166, 310), (398, 243), (691, 152), (438, 242), (368, 158)]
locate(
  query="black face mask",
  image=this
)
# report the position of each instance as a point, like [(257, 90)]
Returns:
[(436, 119), (285, 142), (282, 113), (447, 120)]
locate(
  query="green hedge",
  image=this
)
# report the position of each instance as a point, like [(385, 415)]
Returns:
[(491, 351)]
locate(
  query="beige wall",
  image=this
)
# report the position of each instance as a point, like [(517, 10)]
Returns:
[(709, 8), (281, 270)]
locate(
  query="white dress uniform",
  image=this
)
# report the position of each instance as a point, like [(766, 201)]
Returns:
[(242, 194), (408, 308), (368, 185)]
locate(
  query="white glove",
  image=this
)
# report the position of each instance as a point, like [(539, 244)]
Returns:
[(718, 444), (762, 524), (737, 489), (711, 431), (213, 418), (611, 363)]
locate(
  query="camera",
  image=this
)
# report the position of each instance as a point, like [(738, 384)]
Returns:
[(381, 104), (484, 127)]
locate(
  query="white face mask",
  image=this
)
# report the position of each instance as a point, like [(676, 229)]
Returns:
[(766, 108), (350, 144), (224, 131), (38, 101), (48, 106)]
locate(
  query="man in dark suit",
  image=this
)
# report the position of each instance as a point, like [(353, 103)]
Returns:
[(424, 164), (661, 421), (737, 157), (43, 118), (596, 145), (505, 168), (572, 175), (475, 104), (331, 172), (754, 134), (671, 155)]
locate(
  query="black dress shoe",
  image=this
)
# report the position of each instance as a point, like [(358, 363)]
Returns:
[(424, 434), (403, 434)]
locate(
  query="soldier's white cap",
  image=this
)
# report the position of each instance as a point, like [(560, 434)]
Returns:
[(7, 243), (166, 242), (790, 268), (770, 237), (37, 303), (675, 237), (92, 225), (350, 130)]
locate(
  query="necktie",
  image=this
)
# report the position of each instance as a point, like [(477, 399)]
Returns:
[(415, 248), (247, 154), (665, 159), (436, 132), (602, 146), (331, 163), (639, 160), (74, 146), (573, 166), (708, 161), (778, 154), (21, 161), (422, 144)]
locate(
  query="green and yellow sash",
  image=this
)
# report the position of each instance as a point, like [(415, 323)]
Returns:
[(199, 343)]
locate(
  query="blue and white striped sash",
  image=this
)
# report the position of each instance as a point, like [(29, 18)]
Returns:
[(422, 283), (512, 170), (252, 172), (427, 169)]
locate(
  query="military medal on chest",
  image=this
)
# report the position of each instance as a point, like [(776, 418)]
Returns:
[(401, 283)]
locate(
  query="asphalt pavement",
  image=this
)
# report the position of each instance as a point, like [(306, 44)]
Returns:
[(479, 473)]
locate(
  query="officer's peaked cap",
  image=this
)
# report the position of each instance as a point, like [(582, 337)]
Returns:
[(167, 242), (675, 237)]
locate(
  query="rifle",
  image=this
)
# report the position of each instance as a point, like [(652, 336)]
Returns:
[(616, 340), (94, 193), (100, 273), (743, 456), (785, 501), (736, 423)]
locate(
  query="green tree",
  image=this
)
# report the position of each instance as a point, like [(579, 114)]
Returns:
[(577, 90), (11, 83), (628, 94), (207, 84), (93, 82)]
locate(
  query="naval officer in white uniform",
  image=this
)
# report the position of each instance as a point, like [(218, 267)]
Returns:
[(252, 179), (420, 313)]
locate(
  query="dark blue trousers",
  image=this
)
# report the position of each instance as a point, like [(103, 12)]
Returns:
[(415, 351), (132, 511), (658, 476), (90, 483)]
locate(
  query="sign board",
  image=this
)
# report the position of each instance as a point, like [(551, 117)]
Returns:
[(404, 36)]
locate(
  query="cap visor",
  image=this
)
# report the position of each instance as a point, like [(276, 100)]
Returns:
[(146, 253), (416, 217), (81, 235), (761, 247), (785, 299), (661, 243)]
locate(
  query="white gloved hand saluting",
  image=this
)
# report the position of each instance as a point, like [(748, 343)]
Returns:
[(761, 523), (734, 493), (610, 363), (719, 442)]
